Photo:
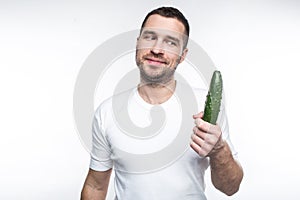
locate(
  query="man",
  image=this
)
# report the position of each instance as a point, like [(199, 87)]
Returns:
[(161, 46)]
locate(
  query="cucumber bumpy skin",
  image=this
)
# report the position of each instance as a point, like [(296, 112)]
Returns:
[(213, 99)]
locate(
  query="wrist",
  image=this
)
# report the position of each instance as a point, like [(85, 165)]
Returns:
[(220, 155), (218, 148)]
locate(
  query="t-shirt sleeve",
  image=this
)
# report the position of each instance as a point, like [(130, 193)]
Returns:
[(101, 153), (223, 123)]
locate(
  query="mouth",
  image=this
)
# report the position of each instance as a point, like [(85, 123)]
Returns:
[(155, 61)]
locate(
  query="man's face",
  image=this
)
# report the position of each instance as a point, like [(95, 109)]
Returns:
[(160, 49)]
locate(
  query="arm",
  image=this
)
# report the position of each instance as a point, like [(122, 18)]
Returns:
[(226, 173), (95, 186)]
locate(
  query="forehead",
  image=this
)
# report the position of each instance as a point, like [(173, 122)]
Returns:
[(160, 22)]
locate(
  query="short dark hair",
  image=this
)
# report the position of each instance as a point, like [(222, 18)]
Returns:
[(169, 12)]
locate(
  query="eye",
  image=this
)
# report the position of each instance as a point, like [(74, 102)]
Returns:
[(149, 37), (171, 43)]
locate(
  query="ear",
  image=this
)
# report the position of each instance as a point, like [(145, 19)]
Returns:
[(183, 55)]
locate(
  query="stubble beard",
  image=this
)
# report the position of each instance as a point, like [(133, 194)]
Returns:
[(158, 77), (162, 76)]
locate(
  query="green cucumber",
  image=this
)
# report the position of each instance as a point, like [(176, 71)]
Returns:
[(213, 98)]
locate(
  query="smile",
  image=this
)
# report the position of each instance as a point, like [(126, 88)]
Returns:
[(155, 61)]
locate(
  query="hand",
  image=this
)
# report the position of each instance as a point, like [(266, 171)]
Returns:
[(207, 138)]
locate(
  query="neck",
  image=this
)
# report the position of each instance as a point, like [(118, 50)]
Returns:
[(156, 93)]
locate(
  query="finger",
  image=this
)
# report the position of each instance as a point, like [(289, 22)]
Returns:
[(203, 125), (198, 140), (211, 139), (199, 133), (207, 127), (215, 130), (207, 139), (198, 149), (199, 115)]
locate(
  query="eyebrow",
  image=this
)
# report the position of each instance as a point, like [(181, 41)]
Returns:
[(148, 32)]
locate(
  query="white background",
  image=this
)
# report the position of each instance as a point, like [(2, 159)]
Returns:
[(256, 45)]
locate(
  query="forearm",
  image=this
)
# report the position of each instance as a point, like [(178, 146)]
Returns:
[(91, 193), (96, 185), (226, 173)]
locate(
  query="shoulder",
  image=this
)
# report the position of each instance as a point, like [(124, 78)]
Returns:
[(116, 101)]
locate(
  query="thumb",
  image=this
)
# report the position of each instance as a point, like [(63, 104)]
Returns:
[(199, 115)]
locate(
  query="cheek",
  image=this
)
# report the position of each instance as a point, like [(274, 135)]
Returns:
[(139, 56), (141, 52), (142, 48), (178, 60), (175, 59)]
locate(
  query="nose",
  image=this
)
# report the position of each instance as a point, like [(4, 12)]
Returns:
[(157, 48)]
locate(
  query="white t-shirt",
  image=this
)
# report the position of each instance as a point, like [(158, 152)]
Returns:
[(150, 154)]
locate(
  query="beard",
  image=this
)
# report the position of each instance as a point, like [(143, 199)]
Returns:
[(151, 74), (156, 75)]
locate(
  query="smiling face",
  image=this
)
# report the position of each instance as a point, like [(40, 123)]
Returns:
[(160, 48)]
